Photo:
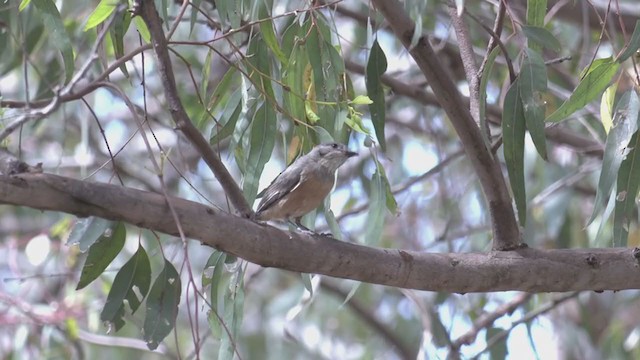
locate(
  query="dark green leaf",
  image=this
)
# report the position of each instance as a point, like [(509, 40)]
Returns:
[(376, 66), (100, 13), (592, 85), (269, 35), (634, 44), (625, 124), (532, 85), (87, 230), (513, 129), (59, 37), (229, 119), (136, 273), (118, 30), (627, 189), (162, 306), (101, 253), (499, 349), (194, 14), (542, 37), (263, 135)]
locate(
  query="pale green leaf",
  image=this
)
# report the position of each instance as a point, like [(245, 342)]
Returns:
[(100, 13), (542, 37), (625, 124), (606, 106), (592, 85)]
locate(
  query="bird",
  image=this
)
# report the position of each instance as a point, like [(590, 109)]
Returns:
[(304, 185)]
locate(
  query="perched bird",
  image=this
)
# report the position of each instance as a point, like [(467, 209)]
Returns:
[(302, 186)]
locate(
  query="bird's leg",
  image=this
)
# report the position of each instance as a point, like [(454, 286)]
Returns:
[(302, 227)]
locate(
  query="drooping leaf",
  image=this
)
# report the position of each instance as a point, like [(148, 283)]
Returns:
[(162, 306), (269, 35), (263, 130), (542, 37), (216, 293), (136, 273), (376, 67), (101, 254), (499, 350), (294, 94), (59, 36), (233, 314), (194, 14), (513, 129), (536, 10), (626, 192), (633, 45), (101, 13), (229, 118), (625, 124), (143, 30), (118, 30), (377, 201), (87, 230), (532, 85), (593, 83)]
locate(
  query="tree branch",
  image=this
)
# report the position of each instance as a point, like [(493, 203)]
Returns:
[(506, 233), (524, 269), (147, 11)]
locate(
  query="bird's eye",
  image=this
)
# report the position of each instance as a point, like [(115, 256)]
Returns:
[(334, 145)]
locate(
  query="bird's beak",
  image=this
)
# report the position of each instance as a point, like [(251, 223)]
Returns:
[(351, 153)]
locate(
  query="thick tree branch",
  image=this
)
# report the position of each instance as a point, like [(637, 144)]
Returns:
[(147, 11), (506, 233), (524, 269)]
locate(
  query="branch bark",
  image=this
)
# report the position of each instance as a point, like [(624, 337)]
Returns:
[(506, 232), (147, 11), (524, 269)]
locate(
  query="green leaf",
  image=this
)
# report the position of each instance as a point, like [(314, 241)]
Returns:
[(162, 306), (258, 56), (532, 85), (606, 107), (194, 14), (263, 129), (536, 10), (627, 189), (206, 72), (23, 4), (118, 30), (142, 29), (87, 230), (269, 35), (377, 201), (59, 37), (229, 119), (361, 100), (513, 129), (542, 37), (100, 13), (101, 254), (376, 66), (595, 81), (633, 45), (136, 273), (216, 294), (625, 124), (293, 94), (233, 314), (499, 349)]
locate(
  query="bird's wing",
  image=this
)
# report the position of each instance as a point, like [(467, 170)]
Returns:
[(282, 185)]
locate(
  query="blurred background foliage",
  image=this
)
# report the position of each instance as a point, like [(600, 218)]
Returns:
[(266, 80)]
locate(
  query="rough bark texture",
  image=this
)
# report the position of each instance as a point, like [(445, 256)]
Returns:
[(524, 269)]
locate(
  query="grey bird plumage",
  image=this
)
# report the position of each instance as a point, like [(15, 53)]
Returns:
[(303, 185)]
